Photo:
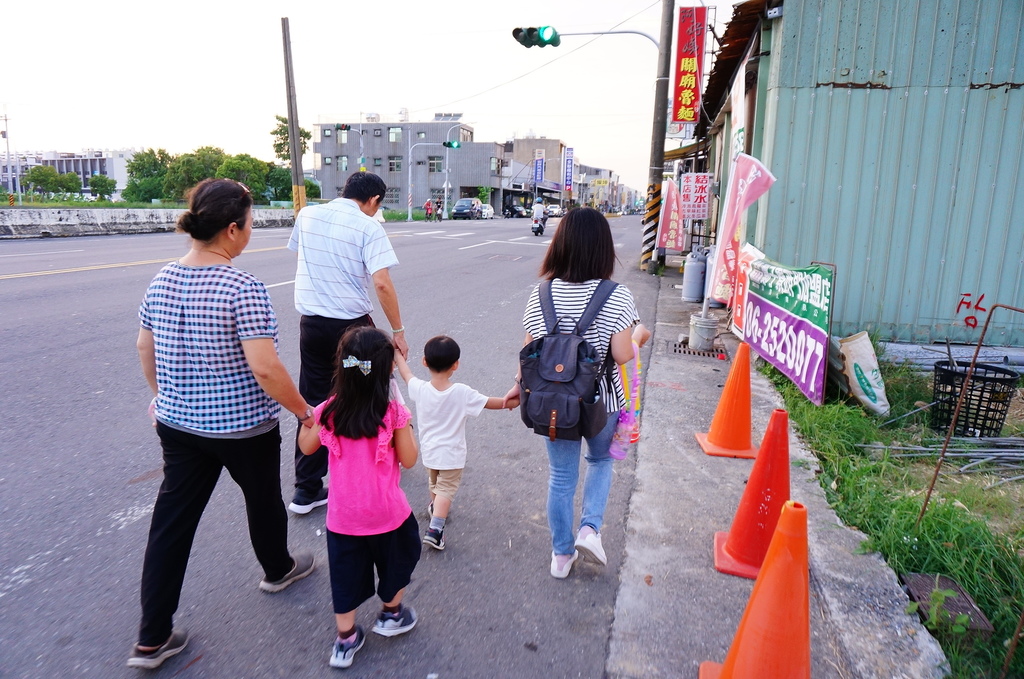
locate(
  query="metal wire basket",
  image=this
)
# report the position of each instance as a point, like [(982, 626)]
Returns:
[(985, 404)]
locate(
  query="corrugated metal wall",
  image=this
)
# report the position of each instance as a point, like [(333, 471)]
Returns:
[(896, 130)]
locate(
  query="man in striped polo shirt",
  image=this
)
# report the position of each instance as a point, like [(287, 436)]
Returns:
[(341, 250)]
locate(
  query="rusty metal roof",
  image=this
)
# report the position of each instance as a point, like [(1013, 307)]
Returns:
[(738, 32)]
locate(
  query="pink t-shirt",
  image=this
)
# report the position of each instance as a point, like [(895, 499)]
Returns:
[(364, 494)]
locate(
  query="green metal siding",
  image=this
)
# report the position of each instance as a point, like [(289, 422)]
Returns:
[(896, 132)]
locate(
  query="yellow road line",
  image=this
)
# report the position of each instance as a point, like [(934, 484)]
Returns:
[(96, 267)]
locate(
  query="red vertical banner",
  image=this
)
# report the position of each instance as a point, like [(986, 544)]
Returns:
[(671, 234), (689, 64)]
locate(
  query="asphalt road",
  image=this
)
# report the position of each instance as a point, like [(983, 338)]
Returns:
[(80, 467)]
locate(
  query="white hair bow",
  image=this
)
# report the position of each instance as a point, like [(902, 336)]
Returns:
[(353, 362)]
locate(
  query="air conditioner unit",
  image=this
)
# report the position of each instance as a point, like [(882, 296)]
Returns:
[(517, 187)]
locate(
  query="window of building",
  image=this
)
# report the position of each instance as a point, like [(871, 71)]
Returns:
[(377, 162), (394, 134), (391, 196), (421, 135), (494, 166), (436, 163), (376, 132), (343, 163), (343, 137), (394, 163), (327, 160), (436, 195), (327, 131)]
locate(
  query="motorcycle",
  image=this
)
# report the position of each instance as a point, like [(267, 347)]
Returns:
[(538, 225)]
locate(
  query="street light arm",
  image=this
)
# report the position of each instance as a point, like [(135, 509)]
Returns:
[(656, 44)]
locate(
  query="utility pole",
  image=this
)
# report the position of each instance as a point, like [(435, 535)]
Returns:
[(294, 140), (657, 169), (7, 159)]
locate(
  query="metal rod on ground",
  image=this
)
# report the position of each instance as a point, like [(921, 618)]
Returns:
[(915, 410), (658, 129), (1013, 646), (959, 405), (294, 140)]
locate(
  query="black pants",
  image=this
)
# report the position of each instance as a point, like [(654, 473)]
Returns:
[(192, 465), (318, 344)]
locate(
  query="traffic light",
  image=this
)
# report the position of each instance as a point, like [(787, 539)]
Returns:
[(451, 144), (342, 126), (542, 36)]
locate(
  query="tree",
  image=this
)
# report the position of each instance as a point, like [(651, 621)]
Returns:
[(484, 194), (189, 169), (279, 181), (70, 183), (43, 178), (280, 134), (248, 170), (312, 189), (146, 172), (102, 186)]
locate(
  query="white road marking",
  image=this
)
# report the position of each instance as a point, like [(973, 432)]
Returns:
[(427, 233), (456, 235), (277, 285), (486, 242), (520, 238), (32, 254)]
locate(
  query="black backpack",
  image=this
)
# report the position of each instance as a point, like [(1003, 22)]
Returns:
[(559, 389)]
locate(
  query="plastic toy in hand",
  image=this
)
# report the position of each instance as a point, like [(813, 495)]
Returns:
[(623, 434)]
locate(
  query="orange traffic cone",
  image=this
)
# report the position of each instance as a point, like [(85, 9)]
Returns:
[(741, 551), (774, 636), (730, 429)]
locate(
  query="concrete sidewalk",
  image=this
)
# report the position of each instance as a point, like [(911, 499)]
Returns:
[(673, 609)]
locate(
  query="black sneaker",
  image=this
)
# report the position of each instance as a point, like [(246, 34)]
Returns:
[(303, 504), (393, 624), (153, 659), (342, 653), (303, 566), (434, 538)]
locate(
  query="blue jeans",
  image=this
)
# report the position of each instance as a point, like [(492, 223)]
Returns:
[(564, 461)]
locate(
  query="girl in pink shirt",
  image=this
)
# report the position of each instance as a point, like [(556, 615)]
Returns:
[(370, 524)]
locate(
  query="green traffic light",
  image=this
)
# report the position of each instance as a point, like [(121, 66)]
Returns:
[(548, 36), (543, 36), (451, 144)]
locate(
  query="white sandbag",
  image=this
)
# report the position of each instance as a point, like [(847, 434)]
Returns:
[(860, 365)]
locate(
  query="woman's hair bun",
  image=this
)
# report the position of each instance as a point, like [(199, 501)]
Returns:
[(187, 221)]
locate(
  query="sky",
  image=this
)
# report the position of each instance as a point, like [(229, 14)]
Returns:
[(185, 74)]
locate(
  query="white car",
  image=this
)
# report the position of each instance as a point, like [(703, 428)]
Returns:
[(555, 210), (487, 212)]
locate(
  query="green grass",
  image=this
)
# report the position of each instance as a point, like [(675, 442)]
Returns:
[(972, 535)]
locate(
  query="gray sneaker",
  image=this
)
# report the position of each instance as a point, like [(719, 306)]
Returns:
[(153, 659), (393, 624), (303, 566), (343, 653)]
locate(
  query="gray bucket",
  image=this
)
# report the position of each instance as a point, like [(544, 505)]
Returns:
[(702, 332)]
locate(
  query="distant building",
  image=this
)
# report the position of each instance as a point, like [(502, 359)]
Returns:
[(392, 149), (89, 162)]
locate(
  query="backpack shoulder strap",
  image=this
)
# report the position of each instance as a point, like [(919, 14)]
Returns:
[(601, 294), (547, 306)]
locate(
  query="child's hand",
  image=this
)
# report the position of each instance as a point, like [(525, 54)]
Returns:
[(512, 398)]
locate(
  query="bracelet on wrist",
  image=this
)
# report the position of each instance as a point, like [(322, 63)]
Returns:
[(395, 331)]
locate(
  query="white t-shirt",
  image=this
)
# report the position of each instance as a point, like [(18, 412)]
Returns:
[(441, 420), (339, 248)]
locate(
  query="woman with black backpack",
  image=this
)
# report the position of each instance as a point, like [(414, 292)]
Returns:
[(581, 255)]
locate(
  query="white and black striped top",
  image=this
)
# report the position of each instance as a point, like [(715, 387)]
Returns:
[(618, 313)]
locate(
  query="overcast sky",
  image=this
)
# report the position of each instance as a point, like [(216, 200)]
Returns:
[(180, 75)]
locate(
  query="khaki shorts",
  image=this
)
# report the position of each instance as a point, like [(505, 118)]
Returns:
[(444, 482)]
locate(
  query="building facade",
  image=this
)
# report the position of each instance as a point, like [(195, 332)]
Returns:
[(110, 163), (411, 158), (894, 131)]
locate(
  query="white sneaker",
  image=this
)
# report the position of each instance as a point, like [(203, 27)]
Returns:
[(563, 572), (590, 548)]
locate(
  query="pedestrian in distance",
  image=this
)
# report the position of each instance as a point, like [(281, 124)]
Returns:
[(369, 522), (580, 256), (342, 251), (429, 208), (442, 407), (438, 214), (208, 348)]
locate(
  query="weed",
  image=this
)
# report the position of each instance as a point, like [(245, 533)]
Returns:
[(972, 535)]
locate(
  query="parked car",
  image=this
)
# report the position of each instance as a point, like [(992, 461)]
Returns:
[(487, 212), (467, 208), (515, 211)]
